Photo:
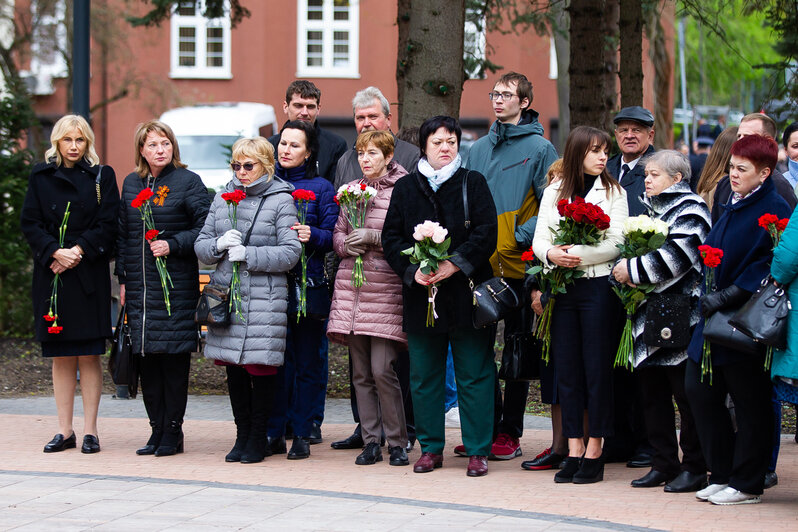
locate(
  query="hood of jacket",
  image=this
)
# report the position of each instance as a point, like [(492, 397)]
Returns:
[(527, 125)]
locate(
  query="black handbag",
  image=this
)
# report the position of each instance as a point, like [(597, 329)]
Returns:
[(213, 307), (521, 354), (764, 316), (718, 330), (667, 321), (123, 364), (317, 297), (494, 298)]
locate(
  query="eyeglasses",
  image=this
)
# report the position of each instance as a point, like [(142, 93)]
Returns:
[(247, 166), (503, 95)]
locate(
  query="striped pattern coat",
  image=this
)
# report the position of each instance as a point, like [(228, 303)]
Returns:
[(675, 267)]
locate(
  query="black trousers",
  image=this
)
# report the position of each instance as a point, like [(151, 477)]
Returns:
[(509, 413), (164, 386), (740, 460), (583, 345), (661, 385)]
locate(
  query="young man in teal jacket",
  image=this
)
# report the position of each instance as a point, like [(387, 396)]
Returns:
[(514, 158)]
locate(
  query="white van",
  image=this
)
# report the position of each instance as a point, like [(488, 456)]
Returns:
[(206, 132)]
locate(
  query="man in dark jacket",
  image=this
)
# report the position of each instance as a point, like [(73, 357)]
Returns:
[(371, 111), (303, 102), (754, 124), (634, 132)]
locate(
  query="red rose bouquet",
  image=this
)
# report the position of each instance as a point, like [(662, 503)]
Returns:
[(142, 203), (303, 198), (233, 199), (52, 313), (353, 200), (711, 257), (431, 248), (581, 223)]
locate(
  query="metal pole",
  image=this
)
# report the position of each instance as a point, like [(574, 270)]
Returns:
[(80, 58), (683, 79)]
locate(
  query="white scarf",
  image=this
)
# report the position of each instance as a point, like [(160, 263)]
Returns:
[(438, 177)]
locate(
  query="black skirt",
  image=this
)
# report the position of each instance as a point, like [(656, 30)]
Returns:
[(54, 348)]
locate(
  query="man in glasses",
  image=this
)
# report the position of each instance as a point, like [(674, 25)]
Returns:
[(514, 158), (303, 102)]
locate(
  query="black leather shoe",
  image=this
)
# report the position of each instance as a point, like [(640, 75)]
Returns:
[(771, 479), (90, 444), (276, 445), (355, 441), (591, 470), (398, 456), (154, 441), (639, 460), (568, 470), (652, 479), (370, 455), (315, 434), (59, 443), (299, 449), (543, 461), (687, 482)]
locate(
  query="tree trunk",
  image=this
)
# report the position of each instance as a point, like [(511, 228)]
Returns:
[(591, 67), (431, 60), (403, 27), (662, 60), (630, 27), (560, 32)]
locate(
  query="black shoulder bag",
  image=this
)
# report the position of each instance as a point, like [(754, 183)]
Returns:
[(214, 304), (123, 364)]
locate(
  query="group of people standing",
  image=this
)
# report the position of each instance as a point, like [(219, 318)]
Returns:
[(497, 203)]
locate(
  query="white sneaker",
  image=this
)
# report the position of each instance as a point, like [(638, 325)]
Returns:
[(710, 490), (728, 496), (453, 417)]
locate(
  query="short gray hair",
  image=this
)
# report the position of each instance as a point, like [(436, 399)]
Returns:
[(366, 97), (672, 162)]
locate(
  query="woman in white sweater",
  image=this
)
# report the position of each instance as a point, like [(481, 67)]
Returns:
[(585, 321)]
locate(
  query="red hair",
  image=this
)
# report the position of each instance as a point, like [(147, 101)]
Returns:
[(762, 151)]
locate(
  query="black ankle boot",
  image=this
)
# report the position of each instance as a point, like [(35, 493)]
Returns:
[(569, 469), (153, 442), (172, 440), (591, 471), (299, 449), (240, 390)]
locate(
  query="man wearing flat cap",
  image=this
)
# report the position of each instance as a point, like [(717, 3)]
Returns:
[(634, 131)]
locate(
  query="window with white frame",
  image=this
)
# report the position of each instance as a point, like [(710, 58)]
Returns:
[(474, 44), (48, 46), (328, 34), (200, 47)]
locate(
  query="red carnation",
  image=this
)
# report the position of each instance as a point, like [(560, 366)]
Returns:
[(234, 197), (711, 256), (49, 317), (141, 197), (152, 234), (303, 195), (781, 225), (528, 256), (766, 219), (362, 186), (55, 330)]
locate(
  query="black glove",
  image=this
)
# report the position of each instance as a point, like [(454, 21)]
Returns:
[(728, 297)]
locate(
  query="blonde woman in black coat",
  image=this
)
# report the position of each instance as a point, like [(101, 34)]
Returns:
[(76, 339)]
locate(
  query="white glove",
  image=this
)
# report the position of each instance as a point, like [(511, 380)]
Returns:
[(231, 238), (237, 254)]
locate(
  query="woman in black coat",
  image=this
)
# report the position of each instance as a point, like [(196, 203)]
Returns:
[(434, 191), (164, 341), (74, 332)]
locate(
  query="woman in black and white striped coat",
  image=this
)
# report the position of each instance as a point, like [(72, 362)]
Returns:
[(675, 268)]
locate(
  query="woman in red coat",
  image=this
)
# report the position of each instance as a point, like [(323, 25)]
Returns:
[(369, 319)]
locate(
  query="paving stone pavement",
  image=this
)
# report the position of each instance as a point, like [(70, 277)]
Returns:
[(197, 490)]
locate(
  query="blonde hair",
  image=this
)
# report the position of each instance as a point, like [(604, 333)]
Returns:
[(142, 167), (257, 148), (554, 172), (60, 130)]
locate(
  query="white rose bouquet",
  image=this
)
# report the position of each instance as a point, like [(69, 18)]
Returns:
[(431, 248), (641, 235), (353, 199)]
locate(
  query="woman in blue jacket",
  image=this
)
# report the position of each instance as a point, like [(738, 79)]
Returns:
[(297, 150), (738, 462)]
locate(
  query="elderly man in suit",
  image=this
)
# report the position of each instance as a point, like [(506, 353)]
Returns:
[(634, 131)]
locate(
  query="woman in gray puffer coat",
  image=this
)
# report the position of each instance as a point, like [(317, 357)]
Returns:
[(369, 319), (674, 268), (252, 345)]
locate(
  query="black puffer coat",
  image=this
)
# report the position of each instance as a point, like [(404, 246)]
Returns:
[(84, 295), (413, 202), (180, 220)]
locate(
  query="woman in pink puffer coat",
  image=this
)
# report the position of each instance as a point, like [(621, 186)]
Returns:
[(369, 319)]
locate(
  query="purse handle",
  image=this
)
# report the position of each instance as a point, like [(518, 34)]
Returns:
[(467, 222), (254, 218)]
